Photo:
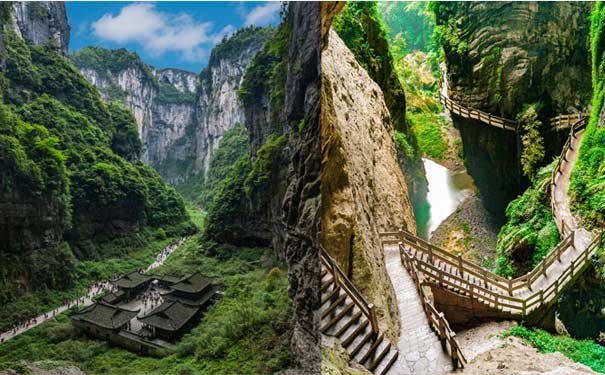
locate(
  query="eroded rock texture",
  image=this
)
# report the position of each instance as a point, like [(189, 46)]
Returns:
[(41, 23), (302, 201), (501, 56), (363, 189)]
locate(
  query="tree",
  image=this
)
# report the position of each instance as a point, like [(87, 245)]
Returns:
[(533, 142)]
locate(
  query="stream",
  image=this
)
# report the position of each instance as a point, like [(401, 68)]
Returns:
[(447, 189)]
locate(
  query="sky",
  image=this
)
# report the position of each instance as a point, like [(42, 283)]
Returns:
[(164, 34)]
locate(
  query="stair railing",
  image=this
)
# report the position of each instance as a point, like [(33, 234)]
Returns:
[(342, 281), (436, 318)]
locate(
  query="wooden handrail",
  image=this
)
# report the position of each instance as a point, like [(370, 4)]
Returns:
[(562, 121), (342, 281), (475, 114), (436, 319), (517, 305)]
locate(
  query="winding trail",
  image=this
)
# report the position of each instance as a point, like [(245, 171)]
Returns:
[(87, 299)]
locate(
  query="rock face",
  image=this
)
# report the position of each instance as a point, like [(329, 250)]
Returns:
[(302, 200), (363, 189), (501, 56), (181, 116), (41, 23)]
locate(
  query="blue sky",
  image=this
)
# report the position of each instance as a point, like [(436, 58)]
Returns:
[(165, 34)]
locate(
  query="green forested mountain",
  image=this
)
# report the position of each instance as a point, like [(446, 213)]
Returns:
[(71, 185)]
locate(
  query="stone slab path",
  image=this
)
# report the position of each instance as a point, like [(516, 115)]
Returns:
[(419, 347), (560, 194), (86, 300)]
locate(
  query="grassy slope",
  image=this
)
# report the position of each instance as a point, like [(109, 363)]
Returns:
[(530, 231), (247, 331), (583, 351)]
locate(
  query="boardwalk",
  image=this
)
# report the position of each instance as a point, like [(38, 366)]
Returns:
[(86, 300), (518, 297)]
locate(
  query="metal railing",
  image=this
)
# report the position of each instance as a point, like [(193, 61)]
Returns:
[(341, 280)]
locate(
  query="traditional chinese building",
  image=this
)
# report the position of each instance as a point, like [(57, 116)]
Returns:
[(103, 320), (183, 301), (133, 283), (171, 319)]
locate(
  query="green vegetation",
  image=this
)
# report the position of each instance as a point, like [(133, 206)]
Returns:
[(428, 129), (69, 165), (71, 280), (361, 28), (586, 352), (587, 186), (232, 147), (266, 75), (447, 33), (231, 47), (410, 21), (167, 93), (104, 60), (533, 142), (248, 331), (530, 231), (265, 165), (410, 26)]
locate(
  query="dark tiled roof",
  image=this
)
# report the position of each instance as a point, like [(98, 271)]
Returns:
[(192, 284), (170, 315), (168, 279), (200, 301), (132, 280), (105, 315), (112, 298)]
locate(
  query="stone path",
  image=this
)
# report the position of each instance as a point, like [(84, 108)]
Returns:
[(561, 194), (85, 300), (419, 347)]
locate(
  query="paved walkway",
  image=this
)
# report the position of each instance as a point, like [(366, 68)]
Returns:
[(85, 300), (561, 194), (420, 350)]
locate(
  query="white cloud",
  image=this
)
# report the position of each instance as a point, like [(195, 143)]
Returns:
[(158, 32), (263, 14)]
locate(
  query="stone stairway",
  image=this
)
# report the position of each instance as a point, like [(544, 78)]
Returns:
[(343, 317)]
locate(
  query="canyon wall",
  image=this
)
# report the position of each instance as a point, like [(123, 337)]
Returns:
[(181, 115), (41, 23), (363, 188), (502, 56)]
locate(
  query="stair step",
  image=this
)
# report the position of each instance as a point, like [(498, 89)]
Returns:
[(326, 284), (387, 363), (366, 340), (360, 328), (338, 316), (330, 295), (349, 323), (372, 350), (373, 364), (334, 304)]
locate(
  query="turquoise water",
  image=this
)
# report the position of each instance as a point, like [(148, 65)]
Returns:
[(447, 189)]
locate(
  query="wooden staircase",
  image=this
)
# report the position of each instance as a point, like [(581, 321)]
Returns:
[(519, 297), (346, 316)]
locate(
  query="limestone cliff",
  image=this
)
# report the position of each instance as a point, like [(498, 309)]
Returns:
[(363, 189), (181, 116), (501, 56), (41, 23)]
